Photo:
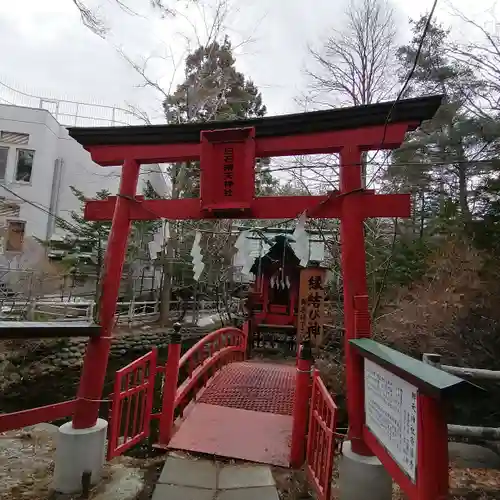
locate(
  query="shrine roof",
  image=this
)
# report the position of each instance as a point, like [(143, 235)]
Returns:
[(413, 110), (280, 251)]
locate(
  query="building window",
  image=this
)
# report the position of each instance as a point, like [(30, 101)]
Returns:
[(4, 154), (24, 165), (15, 236), (9, 209), (14, 137)]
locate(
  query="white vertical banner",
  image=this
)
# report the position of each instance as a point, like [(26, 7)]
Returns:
[(301, 244), (244, 247), (198, 264)]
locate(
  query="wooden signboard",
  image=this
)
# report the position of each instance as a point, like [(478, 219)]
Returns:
[(311, 317), (404, 416)]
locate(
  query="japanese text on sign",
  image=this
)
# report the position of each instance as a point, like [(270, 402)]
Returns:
[(228, 171), (391, 415), (311, 306)]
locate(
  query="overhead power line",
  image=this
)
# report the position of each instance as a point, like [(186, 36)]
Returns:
[(407, 80), (41, 208)]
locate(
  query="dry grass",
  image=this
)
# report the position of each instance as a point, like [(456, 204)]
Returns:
[(468, 484), (465, 484), (292, 484), (331, 368), (27, 465), (441, 313)]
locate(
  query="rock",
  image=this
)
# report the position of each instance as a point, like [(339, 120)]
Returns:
[(466, 455)]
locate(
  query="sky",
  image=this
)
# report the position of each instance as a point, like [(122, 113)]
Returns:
[(48, 52)]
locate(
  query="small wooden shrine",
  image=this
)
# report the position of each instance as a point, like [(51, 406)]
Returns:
[(276, 288)]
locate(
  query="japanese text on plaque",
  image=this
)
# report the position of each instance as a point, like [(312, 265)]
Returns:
[(228, 171), (391, 414), (311, 306)]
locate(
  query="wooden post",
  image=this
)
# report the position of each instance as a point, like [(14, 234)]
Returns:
[(96, 356), (301, 406), (170, 387), (353, 259), (432, 446)]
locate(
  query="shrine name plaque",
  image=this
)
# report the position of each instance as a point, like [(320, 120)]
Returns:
[(227, 165), (391, 415), (311, 308)]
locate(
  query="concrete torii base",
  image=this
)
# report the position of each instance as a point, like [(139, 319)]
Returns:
[(79, 451), (362, 478)]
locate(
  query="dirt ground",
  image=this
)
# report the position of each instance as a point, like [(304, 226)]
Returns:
[(465, 484), (27, 461), (27, 465)]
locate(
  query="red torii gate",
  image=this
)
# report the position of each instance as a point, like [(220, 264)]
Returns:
[(227, 153)]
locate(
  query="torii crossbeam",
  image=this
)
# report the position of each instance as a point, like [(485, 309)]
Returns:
[(227, 152)]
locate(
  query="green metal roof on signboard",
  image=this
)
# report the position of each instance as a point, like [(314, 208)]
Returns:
[(427, 378)]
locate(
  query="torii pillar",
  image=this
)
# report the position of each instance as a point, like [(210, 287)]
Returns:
[(358, 465)]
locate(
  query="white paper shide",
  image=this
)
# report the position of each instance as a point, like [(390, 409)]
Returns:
[(391, 415)]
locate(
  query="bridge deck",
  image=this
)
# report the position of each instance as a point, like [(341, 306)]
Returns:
[(245, 413)]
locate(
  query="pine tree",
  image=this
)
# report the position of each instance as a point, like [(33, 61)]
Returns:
[(440, 159), (213, 89), (85, 241)]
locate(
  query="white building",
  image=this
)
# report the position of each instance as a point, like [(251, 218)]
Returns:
[(38, 164)]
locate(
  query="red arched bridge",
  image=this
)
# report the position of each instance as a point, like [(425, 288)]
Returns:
[(217, 402)]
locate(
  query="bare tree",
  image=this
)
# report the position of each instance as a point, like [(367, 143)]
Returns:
[(355, 64), (95, 23), (483, 58), (199, 97)]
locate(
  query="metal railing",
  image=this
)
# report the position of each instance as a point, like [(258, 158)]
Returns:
[(127, 312), (70, 113)]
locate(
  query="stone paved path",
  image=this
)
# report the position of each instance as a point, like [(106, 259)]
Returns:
[(193, 479)]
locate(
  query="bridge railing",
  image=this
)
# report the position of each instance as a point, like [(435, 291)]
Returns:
[(33, 416), (205, 358), (193, 371)]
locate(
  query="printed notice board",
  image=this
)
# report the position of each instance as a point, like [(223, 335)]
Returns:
[(391, 415)]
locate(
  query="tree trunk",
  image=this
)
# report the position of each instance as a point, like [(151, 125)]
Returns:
[(166, 290), (422, 214), (462, 191), (178, 180)]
